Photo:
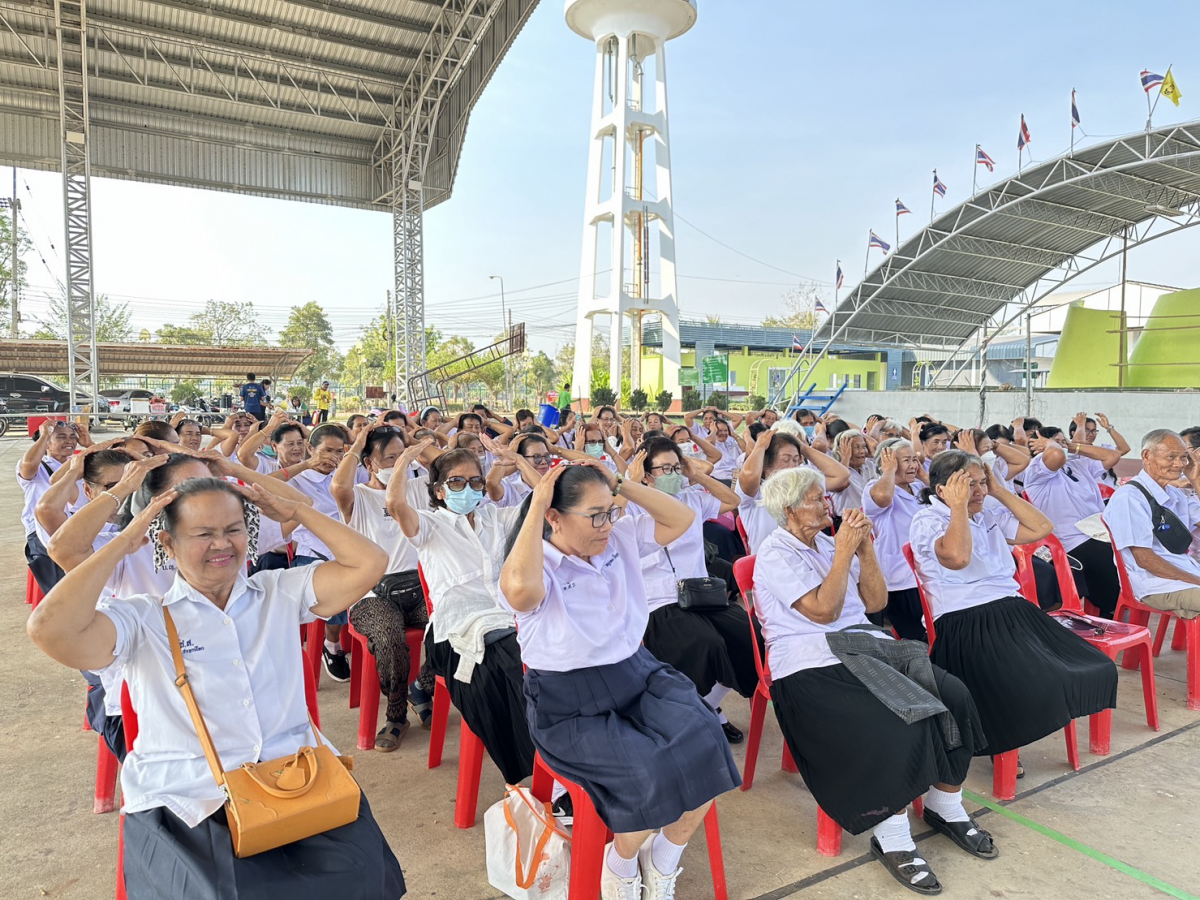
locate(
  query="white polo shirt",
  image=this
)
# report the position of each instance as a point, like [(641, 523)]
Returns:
[(990, 573), (317, 486), (33, 490), (515, 490), (245, 667), (731, 458), (461, 562), (370, 518), (851, 497), (595, 611), (1065, 496), (892, 524), (1128, 518), (687, 552), (786, 570), (755, 518)]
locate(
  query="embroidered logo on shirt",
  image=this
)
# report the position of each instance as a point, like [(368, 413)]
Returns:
[(187, 645), (612, 559), (386, 514), (568, 586)]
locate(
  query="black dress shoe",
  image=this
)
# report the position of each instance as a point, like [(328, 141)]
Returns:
[(733, 734)]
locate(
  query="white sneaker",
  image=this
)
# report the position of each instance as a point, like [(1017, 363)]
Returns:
[(655, 884), (613, 887)]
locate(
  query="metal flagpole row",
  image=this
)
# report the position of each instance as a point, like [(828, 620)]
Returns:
[(974, 170)]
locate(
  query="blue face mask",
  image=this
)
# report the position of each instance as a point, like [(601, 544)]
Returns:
[(269, 451), (463, 502), (808, 430), (594, 449)]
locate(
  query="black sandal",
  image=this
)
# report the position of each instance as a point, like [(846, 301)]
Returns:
[(967, 835), (390, 736), (908, 869)]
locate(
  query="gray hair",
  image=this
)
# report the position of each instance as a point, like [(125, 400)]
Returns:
[(1156, 438), (786, 489), (893, 444), (788, 426)]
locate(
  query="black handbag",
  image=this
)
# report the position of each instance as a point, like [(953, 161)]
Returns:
[(403, 589), (1168, 530), (700, 594)]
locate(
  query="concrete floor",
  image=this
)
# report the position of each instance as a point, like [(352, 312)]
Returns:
[(1123, 823)]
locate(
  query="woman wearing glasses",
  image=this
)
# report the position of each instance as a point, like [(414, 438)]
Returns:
[(507, 482), (713, 649), (603, 712), (472, 643)]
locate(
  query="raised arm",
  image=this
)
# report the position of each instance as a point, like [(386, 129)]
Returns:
[(32, 458), (872, 586), (823, 604), (750, 476), (711, 453), (396, 497), (883, 491), (954, 548), (672, 518), (837, 476), (521, 577), (1032, 523), (51, 509), (341, 485), (66, 626), (1016, 457), (1122, 444), (257, 437), (693, 473)]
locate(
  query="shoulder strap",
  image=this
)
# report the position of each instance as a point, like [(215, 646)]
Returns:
[(46, 466), (669, 560), (181, 682), (1155, 506)]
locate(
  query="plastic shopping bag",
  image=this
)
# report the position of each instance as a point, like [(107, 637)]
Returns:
[(528, 854)]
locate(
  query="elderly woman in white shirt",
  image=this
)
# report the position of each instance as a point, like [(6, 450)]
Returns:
[(1029, 675), (603, 712), (239, 640), (471, 641), (863, 763), (851, 450)]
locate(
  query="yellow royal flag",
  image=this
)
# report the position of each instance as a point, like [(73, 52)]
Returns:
[(1170, 89)]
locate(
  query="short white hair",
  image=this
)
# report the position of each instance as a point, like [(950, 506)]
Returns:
[(787, 489), (788, 426), (1156, 438)]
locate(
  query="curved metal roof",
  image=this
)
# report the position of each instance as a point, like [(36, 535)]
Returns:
[(294, 99), (980, 265), (166, 360)]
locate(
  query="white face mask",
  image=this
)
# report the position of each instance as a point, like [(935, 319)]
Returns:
[(384, 475), (989, 457)]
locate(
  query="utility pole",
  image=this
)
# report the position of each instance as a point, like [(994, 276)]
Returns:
[(390, 325), (15, 208), (506, 322)]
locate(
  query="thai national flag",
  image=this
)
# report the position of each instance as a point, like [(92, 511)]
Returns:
[(901, 209), (1149, 81), (820, 307), (1074, 112), (877, 241), (939, 187), (797, 344), (840, 279), (1023, 137), (982, 159)]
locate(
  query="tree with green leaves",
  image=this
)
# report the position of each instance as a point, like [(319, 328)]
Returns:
[(638, 400), (603, 396), (219, 324), (799, 305), (663, 401), (309, 327), (112, 321), (24, 245)]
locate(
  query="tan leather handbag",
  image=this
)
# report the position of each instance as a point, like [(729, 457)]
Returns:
[(277, 801)]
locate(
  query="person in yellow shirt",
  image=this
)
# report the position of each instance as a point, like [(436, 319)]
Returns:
[(323, 398)]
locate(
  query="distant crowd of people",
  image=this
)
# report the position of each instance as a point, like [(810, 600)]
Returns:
[(575, 584)]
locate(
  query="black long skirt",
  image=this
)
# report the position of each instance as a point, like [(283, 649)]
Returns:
[(1029, 675), (707, 647), (492, 703), (635, 736), (166, 860), (860, 760), (905, 614), (1097, 580)]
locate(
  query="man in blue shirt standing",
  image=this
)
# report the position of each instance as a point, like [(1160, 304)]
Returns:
[(253, 397)]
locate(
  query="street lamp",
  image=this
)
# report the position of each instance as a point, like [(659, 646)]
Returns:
[(504, 325)]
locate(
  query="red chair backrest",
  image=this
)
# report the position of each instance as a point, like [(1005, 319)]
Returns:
[(310, 690), (741, 530), (743, 574), (1023, 554), (425, 590), (1127, 595), (1106, 491), (927, 611), (128, 717)]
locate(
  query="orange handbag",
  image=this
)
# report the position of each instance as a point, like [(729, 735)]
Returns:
[(278, 801)]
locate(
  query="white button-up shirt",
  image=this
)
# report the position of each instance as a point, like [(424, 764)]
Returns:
[(687, 552), (515, 490), (462, 563), (1128, 518), (990, 573), (786, 569), (892, 524), (731, 458), (755, 518), (317, 486), (244, 665), (1065, 496), (851, 497), (33, 490), (595, 610)]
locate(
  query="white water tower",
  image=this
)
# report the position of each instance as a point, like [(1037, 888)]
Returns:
[(628, 261)]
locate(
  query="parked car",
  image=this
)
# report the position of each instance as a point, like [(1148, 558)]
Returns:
[(121, 401), (25, 395)]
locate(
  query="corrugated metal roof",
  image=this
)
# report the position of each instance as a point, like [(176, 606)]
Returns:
[(165, 360), (980, 264), (281, 99)]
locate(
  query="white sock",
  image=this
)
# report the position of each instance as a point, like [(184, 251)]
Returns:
[(619, 865), (557, 791), (714, 697), (665, 855), (947, 804), (894, 834), (333, 647)]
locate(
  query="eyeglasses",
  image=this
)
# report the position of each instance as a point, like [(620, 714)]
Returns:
[(540, 459), (457, 483), (667, 470), (598, 519)]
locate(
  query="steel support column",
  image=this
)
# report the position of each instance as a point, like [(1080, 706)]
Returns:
[(70, 22), (409, 246)]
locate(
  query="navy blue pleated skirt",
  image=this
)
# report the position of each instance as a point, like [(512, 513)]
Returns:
[(635, 736), (1029, 675)]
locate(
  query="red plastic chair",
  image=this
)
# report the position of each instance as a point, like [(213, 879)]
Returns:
[(1106, 491), (741, 530), (589, 835), (1132, 638), (743, 573), (106, 779), (1004, 774), (33, 591), (1187, 631), (364, 680), (829, 832)]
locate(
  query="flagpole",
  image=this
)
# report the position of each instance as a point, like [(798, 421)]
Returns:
[(1149, 108), (974, 169), (932, 196), (1072, 121), (897, 224), (867, 261), (1166, 75)]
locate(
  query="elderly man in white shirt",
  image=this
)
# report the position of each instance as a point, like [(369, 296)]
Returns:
[(1159, 578)]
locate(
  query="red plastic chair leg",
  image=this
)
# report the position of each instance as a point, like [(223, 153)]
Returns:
[(1100, 732), (33, 592), (1004, 776), (368, 711), (1072, 745), (121, 858), (1192, 631), (106, 779), (1179, 641), (542, 785), (1149, 694), (589, 834), (1164, 625), (788, 764), (829, 835), (441, 715), (314, 642), (716, 857), (470, 770), (356, 664), (310, 696), (758, 713), (919, 807), (1136, 617)]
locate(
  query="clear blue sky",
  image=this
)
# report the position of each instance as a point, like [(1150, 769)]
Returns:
[(794, 128)]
